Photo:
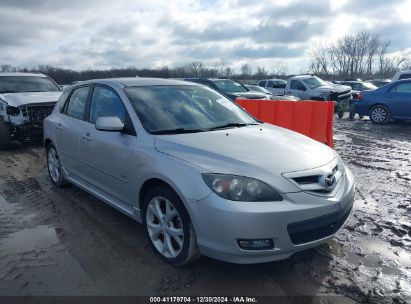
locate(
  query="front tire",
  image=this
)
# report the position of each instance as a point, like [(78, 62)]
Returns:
[(5, 136), (168, 227), (379, 114), (54, 167)]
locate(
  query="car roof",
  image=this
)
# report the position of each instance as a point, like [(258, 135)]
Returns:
[(21, 74), (301, 76), (138, 81)]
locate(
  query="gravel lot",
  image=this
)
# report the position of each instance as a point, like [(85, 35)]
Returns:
[(65, 242)]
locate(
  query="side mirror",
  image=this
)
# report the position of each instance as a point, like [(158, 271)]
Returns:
[(110, 124)]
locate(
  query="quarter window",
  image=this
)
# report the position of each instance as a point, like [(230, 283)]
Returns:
[(77, 102), (106, 103)]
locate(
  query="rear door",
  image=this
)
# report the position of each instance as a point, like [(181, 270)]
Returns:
[(399, 99), (69, 126), (108, 156)]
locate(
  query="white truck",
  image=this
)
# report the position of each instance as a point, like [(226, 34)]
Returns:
[(25, 100), (309, 87)]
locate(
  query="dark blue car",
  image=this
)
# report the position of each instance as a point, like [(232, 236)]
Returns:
[(392, 101)]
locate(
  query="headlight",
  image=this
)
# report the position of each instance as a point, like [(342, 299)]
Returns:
[(13, 111), (239, 188)]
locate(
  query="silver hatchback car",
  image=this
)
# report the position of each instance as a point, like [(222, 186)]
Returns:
[(201, 175)]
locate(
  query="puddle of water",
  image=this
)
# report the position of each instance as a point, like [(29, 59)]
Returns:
[(384, 249), (29, 239)]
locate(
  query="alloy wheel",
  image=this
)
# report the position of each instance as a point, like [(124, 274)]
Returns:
[(165, 227), (54, 165), (379, 115)]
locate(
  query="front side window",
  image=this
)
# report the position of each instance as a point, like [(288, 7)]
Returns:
[(105, 103), (22, 84), (162, 108), (77, 102)]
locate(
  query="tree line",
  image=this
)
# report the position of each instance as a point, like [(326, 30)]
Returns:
[(361, 55)]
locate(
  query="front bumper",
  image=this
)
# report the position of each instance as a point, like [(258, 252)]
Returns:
[(301, 221)]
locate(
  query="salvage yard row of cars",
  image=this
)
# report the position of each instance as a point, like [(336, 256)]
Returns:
[(177, 168)]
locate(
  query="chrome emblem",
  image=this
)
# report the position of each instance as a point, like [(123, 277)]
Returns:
[(328, 181)]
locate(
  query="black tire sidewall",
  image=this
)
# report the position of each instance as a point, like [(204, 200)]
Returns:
[(171, 195), (5, 136), (61, 182), (387, 119)]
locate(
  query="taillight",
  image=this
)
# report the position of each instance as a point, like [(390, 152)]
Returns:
[(360, 96)]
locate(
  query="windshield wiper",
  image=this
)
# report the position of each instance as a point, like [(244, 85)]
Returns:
[(233, 125), (177, 131)]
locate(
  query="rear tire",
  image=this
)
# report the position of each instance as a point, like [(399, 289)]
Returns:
[(5, 136), (379, 114), (54, 167), (169, 227)]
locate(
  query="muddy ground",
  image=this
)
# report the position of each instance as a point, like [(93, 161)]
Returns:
[(65, 242)]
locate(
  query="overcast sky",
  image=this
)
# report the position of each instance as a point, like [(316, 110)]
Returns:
[(101, 34)]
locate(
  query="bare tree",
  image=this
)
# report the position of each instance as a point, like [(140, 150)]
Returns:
[(195, 68), (245, 70)]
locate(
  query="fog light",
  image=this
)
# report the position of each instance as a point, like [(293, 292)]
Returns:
[(262, 244)]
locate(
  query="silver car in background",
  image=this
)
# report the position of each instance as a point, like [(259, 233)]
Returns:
[(201, 175)]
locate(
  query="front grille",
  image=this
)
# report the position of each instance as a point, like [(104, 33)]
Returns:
[(318, 228), (37, 113), (340, 96)]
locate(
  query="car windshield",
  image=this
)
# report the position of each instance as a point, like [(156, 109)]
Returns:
[(314, 82), (183, 109), (230, 86), (21, 84)]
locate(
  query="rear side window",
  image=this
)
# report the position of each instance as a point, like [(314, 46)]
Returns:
[(404, 76), (270, 84), (262, 83), (77, 103), (403, 88), (280, 84), (105, 103)]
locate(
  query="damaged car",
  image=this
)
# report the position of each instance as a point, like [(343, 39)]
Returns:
[(25, 100)]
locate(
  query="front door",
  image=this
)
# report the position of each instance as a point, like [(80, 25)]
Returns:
[(108, 156)]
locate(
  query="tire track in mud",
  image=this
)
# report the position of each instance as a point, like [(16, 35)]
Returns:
[(109, 256), (378, 232)]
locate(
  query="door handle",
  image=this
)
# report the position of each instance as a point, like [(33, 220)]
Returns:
[(86, 137), (59, 126)]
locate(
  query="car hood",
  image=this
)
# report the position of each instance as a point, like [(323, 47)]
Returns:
[(335, 88), (20, 99), (262, 151)]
